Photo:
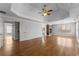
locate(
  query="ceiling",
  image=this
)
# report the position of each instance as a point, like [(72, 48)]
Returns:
[(31, 10), (7, 8)]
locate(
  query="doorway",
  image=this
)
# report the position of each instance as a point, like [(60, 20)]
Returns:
[(11, 34)]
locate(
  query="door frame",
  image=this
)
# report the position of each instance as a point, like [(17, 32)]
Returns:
[(4, 29)]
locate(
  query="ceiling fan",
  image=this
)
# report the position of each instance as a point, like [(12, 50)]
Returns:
[(45, 11)]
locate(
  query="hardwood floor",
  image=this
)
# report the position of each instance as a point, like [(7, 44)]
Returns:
[(53, 46)]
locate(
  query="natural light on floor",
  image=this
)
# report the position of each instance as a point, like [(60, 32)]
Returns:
[(66, 42)]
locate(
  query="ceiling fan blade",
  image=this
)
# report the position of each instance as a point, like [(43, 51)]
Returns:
[(48, 13), (54, 11), (42, 8), (50, 10), (3, 12)]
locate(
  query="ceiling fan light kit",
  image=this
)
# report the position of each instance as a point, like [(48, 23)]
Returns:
[(44, 14), (45, 11)]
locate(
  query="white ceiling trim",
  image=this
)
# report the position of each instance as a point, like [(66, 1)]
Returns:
[(64, 21)]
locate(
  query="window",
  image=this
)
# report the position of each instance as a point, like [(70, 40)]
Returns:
[(65, 27)]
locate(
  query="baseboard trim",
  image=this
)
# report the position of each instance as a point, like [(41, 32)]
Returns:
[(30, 39)]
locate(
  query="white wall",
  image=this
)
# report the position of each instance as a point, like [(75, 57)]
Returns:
[(30, 30), (56, 30), (1, 32)]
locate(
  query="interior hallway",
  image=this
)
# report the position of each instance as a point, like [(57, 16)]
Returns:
[(54, 45)]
